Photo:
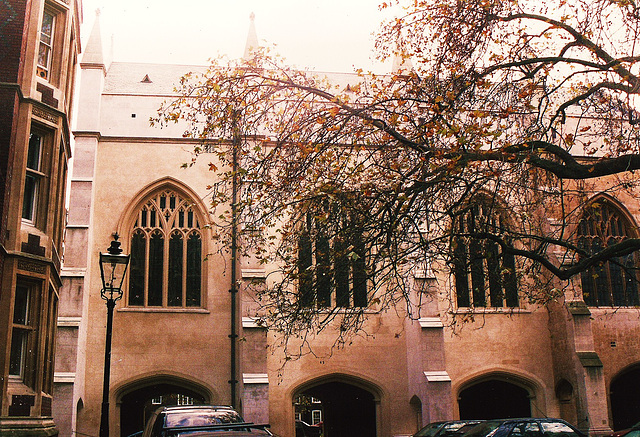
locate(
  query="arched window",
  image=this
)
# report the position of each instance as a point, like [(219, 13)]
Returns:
[(166, 253), (614, 283), (331, 260), (484, 276)]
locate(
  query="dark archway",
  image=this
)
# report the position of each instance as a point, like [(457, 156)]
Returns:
[(494, 399), (347, 410), (625, 398), (137, 406)]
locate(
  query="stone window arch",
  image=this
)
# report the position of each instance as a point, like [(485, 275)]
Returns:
[(166, 249), (615, 282)]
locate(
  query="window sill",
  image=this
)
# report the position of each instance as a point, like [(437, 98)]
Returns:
[(491, 310), (614, 309), (163, 310)]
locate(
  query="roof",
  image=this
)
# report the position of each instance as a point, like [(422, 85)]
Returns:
[(160, 79)]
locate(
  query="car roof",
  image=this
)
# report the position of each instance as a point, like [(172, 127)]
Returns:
[(196, 407)]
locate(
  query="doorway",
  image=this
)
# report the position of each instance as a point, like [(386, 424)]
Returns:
[(494, 399), (345, 410), (138, 405), (625, 399)]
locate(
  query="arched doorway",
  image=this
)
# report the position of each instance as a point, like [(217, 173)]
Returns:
[(625, 398), (136, 406), (494, 399), (344, 409)]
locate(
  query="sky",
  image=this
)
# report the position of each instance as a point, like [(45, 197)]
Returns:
[(322, 35)]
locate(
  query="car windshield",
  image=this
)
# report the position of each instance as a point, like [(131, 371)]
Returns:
[(483, 429), (558, 429), (179, 419), (430, 430)]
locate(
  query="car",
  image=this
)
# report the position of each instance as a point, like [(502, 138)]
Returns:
[(624, 432), (446, 428), (524, 427), (303, 429), (200, 421)]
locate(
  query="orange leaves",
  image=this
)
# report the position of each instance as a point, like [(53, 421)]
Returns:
[(334, 111)]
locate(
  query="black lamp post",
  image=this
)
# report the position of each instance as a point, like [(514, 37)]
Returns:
[(113, 266)]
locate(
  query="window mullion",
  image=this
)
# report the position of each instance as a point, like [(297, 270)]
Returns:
[(185, 257)]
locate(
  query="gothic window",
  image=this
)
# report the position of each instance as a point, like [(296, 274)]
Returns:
[(331, 261), (484, 275), (166, 254), (613, 283)]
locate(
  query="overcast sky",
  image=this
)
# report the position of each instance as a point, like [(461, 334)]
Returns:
[(323, 35)]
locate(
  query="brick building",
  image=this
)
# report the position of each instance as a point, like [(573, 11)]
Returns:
[(39, 47)]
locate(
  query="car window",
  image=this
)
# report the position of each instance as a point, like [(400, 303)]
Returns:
[(484, 429), (526, 429), (201, 418), (558, 429), (430, 430), (634, 433)]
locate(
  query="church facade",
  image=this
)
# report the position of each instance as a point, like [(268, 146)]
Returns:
[(183, 335)]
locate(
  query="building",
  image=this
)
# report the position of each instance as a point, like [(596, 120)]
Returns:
[(193, 342), (39, 47)]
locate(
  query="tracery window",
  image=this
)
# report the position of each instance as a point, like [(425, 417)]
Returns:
[(613, 283), (484, 275), (331, 260), (166, 253)]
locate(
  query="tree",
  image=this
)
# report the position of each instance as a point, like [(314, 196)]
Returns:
[(485, 152)]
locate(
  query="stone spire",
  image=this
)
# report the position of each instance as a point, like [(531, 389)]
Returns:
[(93, 52), (401, 62), (252, 39)]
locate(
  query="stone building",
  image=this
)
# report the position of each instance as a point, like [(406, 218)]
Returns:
[(577, 359), (39, 47)]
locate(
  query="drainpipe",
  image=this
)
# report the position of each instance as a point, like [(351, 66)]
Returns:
[(233, 336)]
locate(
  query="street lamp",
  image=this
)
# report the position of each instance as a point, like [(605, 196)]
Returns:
[(113, 266)]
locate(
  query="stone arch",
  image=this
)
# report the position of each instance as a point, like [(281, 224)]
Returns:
[(619, 206), (624, 397), (350, 404), (416, 405), (128, 215), (605, 221), (138, 397), (499, 394), (565, 394)]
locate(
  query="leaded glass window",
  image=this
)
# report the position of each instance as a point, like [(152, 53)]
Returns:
[(613, 283), (484, 276), (332, 261), (166, 253)]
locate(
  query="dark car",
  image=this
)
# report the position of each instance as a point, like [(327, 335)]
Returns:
[(303, 429), (525, 427), (624, 432), (446, 428), (201, 420), (634, 431)]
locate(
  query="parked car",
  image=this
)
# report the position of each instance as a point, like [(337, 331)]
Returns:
[(446, 428), (623, 432), (303, 429), (525, 427), (200, 421)]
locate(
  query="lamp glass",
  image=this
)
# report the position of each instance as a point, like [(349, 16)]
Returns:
[(113, 269)]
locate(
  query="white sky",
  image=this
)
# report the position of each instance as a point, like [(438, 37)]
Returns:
[(323, 35)]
